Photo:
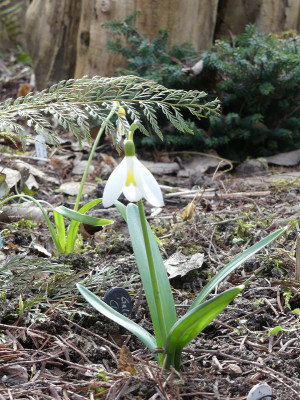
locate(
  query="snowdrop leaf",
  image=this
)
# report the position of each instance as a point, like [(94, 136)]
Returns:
[(115, 316), (78, 216), (166, 297), (194, 321), (238, 261)]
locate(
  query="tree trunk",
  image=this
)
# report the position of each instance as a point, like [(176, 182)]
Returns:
[(92, 57), (191, 21), (277, 16), (51, 31), (66, 37), (270, 16)]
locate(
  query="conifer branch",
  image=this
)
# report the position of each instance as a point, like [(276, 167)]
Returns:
[(72, 104)]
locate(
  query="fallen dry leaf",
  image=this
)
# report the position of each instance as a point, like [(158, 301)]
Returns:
[(179, 264), (80, 166), (109, 160), (199, 164), (20, 164), (12, 247), (71, 188), (31, 182), (126, 361), (12, 176), (288, 159), (24, 89), (25, 210), (61, 165), (160, 168), (189, 211)]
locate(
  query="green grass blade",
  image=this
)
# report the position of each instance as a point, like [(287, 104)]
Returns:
[(194, 321), (136, 234), (239, 260), (78, 216), (120, 319)]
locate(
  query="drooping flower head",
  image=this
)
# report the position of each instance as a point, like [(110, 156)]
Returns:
[(133, 179)]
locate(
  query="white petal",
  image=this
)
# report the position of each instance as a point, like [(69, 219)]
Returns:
[(130, 163), (114, 185), (132, 193), (147, 184)]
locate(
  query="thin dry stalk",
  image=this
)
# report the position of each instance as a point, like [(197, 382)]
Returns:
[(297, 270)]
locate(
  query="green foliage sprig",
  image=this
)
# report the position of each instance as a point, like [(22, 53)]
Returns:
[(153, 59), (72, 103), (257, 78), (10, 15)]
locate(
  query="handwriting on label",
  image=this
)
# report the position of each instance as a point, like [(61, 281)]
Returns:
[(123, 302)]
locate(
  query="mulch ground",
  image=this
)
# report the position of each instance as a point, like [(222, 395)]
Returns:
[(58, 347)]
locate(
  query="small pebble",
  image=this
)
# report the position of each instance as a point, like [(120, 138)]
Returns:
[(251, 167), (261, 390), (291, 197), (234, 370)]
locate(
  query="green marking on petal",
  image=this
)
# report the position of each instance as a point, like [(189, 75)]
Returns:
[(130, 178)]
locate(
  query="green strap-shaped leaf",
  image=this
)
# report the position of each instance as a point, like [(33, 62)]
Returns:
[(194, 321), (239, 260), (60, 229), (120, 319), (74, 225), (122, 210), (78, 216), (166, 297)]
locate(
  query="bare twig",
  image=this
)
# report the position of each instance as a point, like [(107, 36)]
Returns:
[(297, 271)]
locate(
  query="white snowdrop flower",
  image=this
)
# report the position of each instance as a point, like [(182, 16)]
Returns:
[(133, 179)]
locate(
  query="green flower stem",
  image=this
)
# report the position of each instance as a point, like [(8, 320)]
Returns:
[(85, 174), (154, 282)]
